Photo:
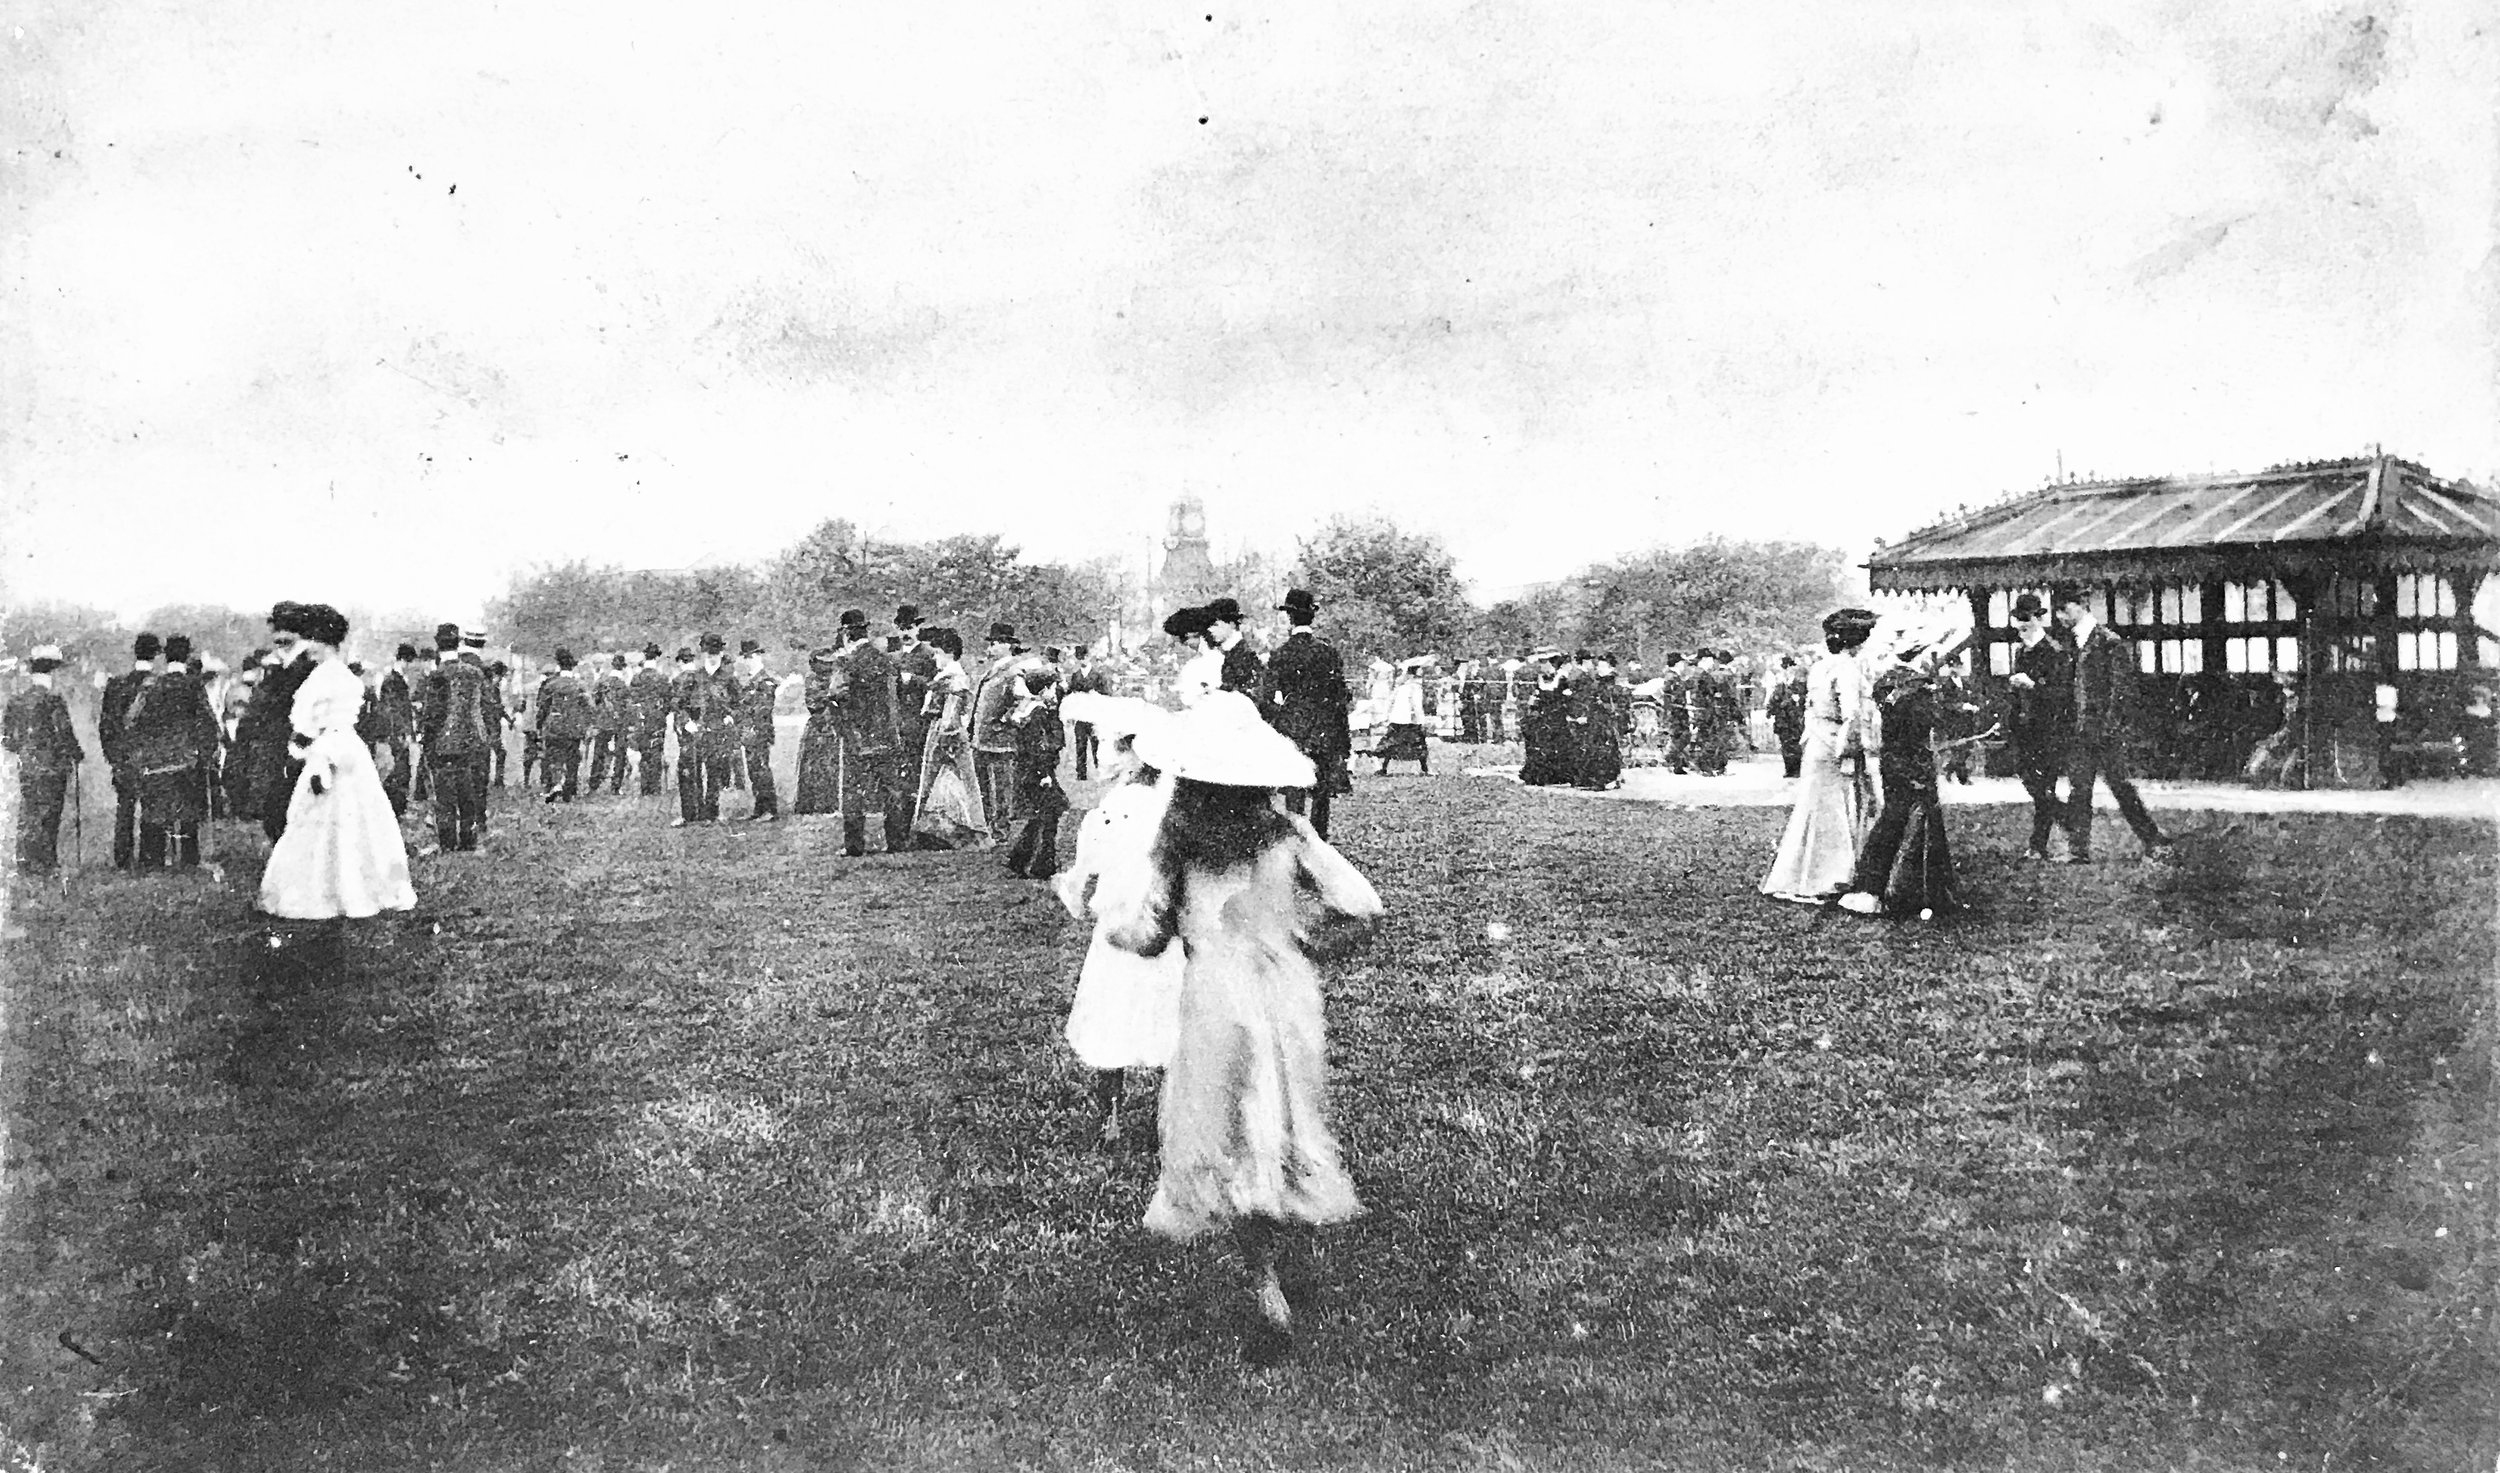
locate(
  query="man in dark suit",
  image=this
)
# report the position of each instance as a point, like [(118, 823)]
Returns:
[(111, 725), (704, 699), (1303, 694), (1241, 663), (561, 713), (1088, 677), (758, 695), (397, 700), (646, 719), (607, 722), (993, 739), (864, 688), (2043, 717), (171, 734), (1675, 696), (36, 730), (2104, 687), (915, 667), (454, 725)]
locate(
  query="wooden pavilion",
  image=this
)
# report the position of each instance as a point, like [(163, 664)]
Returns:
[(2348, 585)]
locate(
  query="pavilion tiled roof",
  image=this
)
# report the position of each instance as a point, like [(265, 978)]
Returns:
[(2374, 513)]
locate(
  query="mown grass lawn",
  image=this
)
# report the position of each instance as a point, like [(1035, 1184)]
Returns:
[(637, 1147)]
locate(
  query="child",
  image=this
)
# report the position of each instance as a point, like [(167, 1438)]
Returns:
[(1039, 800), (1127, 1009), (1255, 897)]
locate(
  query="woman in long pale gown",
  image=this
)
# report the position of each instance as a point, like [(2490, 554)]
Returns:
[(341, 854), (949, 814), (1835, 801), (1127, 1010), (1256, 898)]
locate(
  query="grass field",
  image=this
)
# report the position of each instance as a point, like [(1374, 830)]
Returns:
[(708, 1148)]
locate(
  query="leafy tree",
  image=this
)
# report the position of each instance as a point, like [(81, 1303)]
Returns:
[(569, 603), (1384, 593), (230, 634), (87, 636)]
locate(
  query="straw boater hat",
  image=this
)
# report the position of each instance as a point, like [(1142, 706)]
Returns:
[(1224, 741)]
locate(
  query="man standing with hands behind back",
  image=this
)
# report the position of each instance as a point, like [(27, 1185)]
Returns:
[(1303, 694)]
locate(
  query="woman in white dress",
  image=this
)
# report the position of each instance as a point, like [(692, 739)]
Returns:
[(341, 854), (1835, 798), (1256, 899), (1127, 1011)]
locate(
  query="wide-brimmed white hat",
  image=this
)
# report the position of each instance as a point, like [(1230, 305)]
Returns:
[(1112, 716), (1223, 740)]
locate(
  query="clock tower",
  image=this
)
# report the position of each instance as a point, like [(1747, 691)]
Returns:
[(1188, 572)]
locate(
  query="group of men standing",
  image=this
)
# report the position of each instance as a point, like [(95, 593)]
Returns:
[(2074, 688), (1300, 688)]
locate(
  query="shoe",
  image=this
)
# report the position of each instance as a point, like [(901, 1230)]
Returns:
[(767, 818), (2164, 851), (1270, 1339), (2036, 856), (677, 823), (1859, 903), (2084, 858)]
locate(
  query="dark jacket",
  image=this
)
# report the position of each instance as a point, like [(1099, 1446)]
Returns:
[(865, 685), (112, 715), (455, 720), (2043, 717), (757, 699), (2104, 687), (1241, 669), (914, 669), (399, 709), (562, 708), (36, 728), (706, 706), (169, 724), (1303, 694), (646, 706)]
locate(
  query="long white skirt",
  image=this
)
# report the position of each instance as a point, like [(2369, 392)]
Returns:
[(1835, 806), (1127, 1013), (341, 854)]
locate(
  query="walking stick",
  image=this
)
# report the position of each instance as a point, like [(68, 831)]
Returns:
[(78, 822)]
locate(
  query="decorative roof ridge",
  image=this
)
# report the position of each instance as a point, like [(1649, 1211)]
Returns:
[(2084, 489)]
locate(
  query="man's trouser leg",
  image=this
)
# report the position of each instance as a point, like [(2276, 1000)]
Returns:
[(760, 774), (450, 794), (152, 838), (2040, 781), (1874, 870), (41, 796), (602, 752), (689, 781), (1082, 738), (654, 766), (125, 820), (2083, 769), (720, 771), (2131, 807), (474, 779), (395, 787), (996, 772)]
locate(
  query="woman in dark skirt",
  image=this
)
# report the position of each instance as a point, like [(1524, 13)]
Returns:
[(820, 744), (1545, 727), (1905, 867), (1600, 729)]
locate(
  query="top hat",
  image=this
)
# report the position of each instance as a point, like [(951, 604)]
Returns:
[(1002, 632), (2029, 607), (685, 652), (651, 651), (565, 659), (854, 619), (1299, 601), (907, 617), (749, 647), (712, 644), (146, 647)]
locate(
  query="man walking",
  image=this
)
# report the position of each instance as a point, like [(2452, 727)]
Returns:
[(1087, 677), (1303, 694), (112, 719), (864, 687), (2104, 688), (2043, 724), (758, 694), (36, 730)]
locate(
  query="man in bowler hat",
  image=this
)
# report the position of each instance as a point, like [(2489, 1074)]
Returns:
[(36, 731), (758, 694), (864, 686), (457, 727), (111, 723), (993, 738), (646, 719), (915, 668), (1302, 692), (705, 701)]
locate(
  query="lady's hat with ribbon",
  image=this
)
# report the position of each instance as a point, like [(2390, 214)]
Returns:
[(1224, 741)]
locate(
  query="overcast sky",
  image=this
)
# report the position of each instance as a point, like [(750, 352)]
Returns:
[(377, 303)]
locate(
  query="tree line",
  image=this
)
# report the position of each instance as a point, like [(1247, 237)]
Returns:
[(1384, 591)]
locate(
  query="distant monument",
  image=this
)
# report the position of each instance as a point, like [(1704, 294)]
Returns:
[(1188, 572)]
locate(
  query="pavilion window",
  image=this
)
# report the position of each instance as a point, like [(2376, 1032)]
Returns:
[(2425, 596), (2261, 601)]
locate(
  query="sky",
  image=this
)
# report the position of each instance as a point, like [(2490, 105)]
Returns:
[(381, 304)]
